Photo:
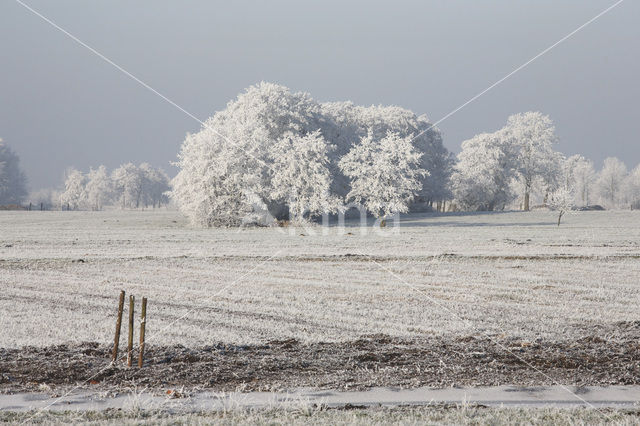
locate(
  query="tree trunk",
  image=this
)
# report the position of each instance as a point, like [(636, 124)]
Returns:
[(526, 201)]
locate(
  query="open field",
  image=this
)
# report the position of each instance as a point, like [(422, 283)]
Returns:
[(473, 299)]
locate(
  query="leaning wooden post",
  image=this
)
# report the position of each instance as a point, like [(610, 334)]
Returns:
[(130, 343), (143, 323), (116, 342)]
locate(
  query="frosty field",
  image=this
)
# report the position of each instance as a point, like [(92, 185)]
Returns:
[(513, 273), (428, 304)]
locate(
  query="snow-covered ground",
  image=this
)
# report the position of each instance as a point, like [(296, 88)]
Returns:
[(514, 274), (497, 396)]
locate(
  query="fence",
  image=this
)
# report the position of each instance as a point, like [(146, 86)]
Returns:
[(143, 323)]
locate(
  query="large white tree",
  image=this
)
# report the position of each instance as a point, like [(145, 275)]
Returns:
[(74, 196), (99, 188), (385, 173), (610, 183), (301, 175), (483, 173), (13, 182), (533, 135), (348, 123), (229, 166), (128, 184), (209, 189)]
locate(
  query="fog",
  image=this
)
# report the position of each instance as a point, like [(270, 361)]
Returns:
[(61, 105)]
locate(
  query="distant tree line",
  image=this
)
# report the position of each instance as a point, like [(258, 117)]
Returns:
[(518, 164), (128, 186), (281, 152)]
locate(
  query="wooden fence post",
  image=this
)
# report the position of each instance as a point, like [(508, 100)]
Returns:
[(116, 341), (143, 323), (130, 343)]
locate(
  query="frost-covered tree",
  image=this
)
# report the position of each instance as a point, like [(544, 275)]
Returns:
[(229, 166), (561, 200), (519, 158), (583, 175), (385, 173), (610, 183), (632, 187), (99, 188), (13, 182), (209, 189), (568, 170), (74, 196), (347, 123), (532, 134), (301, 175), (128, 184), (155, 185), (482, 176)]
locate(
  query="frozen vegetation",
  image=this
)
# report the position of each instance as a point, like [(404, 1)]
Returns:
[(274, 154), (283, 152), (128, 186), (280, 152), (314, 415), (513, 274)]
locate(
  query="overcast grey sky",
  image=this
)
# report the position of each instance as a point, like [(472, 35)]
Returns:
[(61, 106)]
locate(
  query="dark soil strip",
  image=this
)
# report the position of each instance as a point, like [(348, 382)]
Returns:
[(609, 355)]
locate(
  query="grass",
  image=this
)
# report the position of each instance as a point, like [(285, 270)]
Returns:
[(436, 415)]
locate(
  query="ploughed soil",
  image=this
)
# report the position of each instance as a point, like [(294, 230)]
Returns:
[(605, 355)]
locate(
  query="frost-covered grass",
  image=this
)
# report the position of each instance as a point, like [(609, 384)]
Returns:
[(514, 274), (461, 415)]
